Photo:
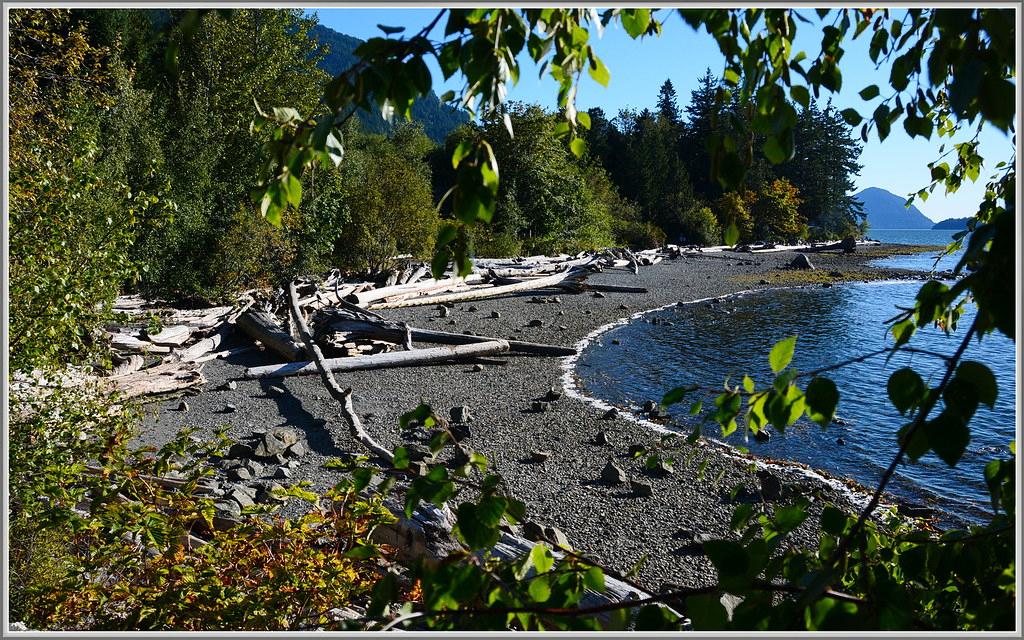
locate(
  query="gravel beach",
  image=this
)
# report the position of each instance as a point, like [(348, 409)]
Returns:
[(611, 523)]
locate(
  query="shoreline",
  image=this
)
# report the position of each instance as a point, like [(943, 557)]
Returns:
[(611, 524)]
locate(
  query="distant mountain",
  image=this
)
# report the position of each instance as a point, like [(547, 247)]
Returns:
[(438, 119), (887, 210), (956, 224)]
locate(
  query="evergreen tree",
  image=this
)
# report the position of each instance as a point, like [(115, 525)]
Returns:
[(668, 104)]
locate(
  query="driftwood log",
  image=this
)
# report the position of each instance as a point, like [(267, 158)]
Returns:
[(392, 332), (482, 292), (433, 355), (264, 327)]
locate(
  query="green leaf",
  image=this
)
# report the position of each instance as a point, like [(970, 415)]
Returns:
[(774, 151), (748, 384), (822, 398), (730, 558), (578, 146), (540, 589), (598, 71), (654, 617), (731, 235), (462, 150), (676, 395), (782, 353), (852, 117), (401, 458), (789, 518), (636, 21), (833, 521), (869, 92), (474, 526), (980, 377), (593, 579), (801, 95), (362, 552), (707, 612), (390, 30), (906, 389), (584, 119), (542, 558)]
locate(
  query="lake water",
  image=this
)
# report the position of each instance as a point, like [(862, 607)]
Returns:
[(707, 342), (920, 261)]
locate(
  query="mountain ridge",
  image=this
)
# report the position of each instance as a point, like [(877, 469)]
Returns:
[(886, 210), (438, 119)]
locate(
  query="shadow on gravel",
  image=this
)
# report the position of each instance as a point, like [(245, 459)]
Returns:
[(290, 408)]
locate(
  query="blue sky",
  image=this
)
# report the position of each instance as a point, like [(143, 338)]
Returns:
[(638, 68)]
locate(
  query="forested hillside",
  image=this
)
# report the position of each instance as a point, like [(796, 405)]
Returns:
[(438, 120)]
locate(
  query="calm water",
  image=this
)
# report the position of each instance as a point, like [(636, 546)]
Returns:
[(919, 261), (706, 342)]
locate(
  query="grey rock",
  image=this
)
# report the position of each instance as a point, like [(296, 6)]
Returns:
[(771, 487), (443, 311), (598, 294), (460, 431), (239, 450), (472, 308), (602, 438), (292, 464), (801, 261), (650, 406), (624, 307), (763, 435), (539, 456), (230, 408), (557, 537), (495, 314), (417, 453), (182, 406), (227, 509), (611, 414), (283, 473), (535, 323), (612, 474), (539, 406), (763, 281), (562, 327), (561, 313), (298, 450), (275, 442), (452, 321), (460, 415), (230, 385), (241, 497), (637, 449), (533, 531), (552, 395), (836, 274), (275, 391), (240, 474), (641, 488), (478, 367)]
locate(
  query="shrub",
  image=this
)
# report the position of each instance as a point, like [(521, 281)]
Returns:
[(732, 209), (699, 226), (776, 218)]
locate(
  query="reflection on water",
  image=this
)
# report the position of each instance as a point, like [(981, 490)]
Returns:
[(706, 342)]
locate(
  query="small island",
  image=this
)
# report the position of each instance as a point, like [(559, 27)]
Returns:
[(955, 224)]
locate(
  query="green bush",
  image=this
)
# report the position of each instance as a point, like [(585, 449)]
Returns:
[(699, 226)]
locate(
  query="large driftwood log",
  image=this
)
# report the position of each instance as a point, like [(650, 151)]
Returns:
[(131, 344), (433, 355), (481, 293), (204, 346), (171, 336), (402, 290), (395, 333), (263, 327), (163, 378)]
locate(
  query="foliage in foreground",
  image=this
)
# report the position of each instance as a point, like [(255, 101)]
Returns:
[(97, 544)]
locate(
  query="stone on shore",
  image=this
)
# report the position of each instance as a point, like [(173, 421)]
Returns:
[(613, 474)]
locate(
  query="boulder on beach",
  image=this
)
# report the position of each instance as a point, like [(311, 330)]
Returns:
[(801, 261)]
